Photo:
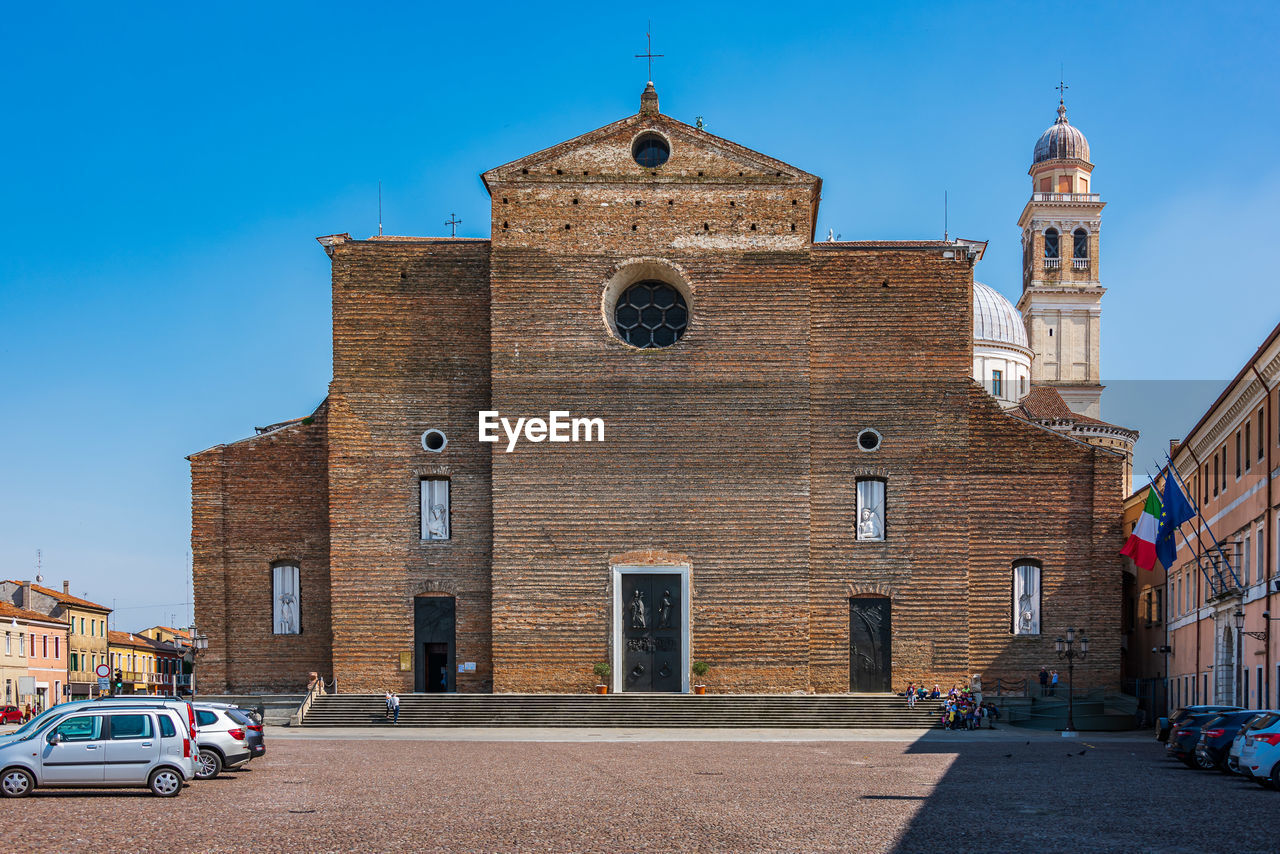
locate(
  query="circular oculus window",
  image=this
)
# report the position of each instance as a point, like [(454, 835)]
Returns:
[(869, 440), (651, 314), (434, 441), (650, 150)]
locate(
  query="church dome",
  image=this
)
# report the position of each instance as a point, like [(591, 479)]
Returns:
[(995, 319), (1061, 141)]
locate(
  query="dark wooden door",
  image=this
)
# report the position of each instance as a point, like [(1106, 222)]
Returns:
[(434, 648), (869, 645), (652, 658)]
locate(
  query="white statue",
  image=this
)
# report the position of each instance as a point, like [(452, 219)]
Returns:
[(287, 621), (438, 523), (869, 527)]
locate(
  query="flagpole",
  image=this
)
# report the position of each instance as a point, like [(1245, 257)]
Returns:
[(1191, 548), (1225, 558)]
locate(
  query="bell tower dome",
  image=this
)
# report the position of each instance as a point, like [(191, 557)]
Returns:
[(1061, 301)]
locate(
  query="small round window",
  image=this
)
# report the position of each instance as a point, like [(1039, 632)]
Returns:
[(434, 441), (651, 314), (650, 150), (869, 440)]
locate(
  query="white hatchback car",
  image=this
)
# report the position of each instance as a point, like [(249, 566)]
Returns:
[(1260, 750), (147, 746)]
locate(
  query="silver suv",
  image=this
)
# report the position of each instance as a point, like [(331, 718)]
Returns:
[(221, 740), (105, 745)]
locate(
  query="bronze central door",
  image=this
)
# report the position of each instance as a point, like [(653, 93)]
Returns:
[(652, 658), (869, 645)]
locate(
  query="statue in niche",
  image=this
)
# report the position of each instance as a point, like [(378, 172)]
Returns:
[(438, 523), (664, 610), (639, 619), (869, 528), (1026, 615), (287, 621)]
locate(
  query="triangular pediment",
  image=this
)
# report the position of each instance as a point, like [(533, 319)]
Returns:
[(606, 154)]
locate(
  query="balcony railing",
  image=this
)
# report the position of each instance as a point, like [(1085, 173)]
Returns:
[(1066, 197), (1080, 263), (1052, 263)]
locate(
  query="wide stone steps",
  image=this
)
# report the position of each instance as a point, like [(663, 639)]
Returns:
[(625, 710)]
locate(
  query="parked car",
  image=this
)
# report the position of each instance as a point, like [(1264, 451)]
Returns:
[(1260, 752), (1163, 725), (1216, 737), (10, 715), (223, 740), (253, 730), (1184, 735), (102, 746), (1237, 744), (126, 702)]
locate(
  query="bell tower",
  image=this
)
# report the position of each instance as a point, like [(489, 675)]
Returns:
[(1061, 301)]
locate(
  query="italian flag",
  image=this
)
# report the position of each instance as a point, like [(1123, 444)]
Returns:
[(1141, 545)]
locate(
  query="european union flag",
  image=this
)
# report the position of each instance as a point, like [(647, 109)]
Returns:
[(1175, 510)]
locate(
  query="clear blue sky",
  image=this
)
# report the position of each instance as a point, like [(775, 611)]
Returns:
[(167, 167)]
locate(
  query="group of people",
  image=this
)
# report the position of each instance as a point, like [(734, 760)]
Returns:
[(957, 709), (1048, 682), (393, 708)]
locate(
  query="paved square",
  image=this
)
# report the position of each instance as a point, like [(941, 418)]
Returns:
[(394, 791)]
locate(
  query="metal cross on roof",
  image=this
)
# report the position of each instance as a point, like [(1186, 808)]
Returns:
[(649, 54), (1062, 88), (453, 222)]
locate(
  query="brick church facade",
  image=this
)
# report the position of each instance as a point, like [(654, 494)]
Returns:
[(799, 483)]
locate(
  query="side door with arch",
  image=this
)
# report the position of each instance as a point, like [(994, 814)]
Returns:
[(73, 751)]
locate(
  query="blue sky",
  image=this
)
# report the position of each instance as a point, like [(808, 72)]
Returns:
[(168, 166)]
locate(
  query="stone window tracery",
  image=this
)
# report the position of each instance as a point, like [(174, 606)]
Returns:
[(651, 314)]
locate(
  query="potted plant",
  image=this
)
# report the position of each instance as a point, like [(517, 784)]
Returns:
[(602, 671), (699, 669)]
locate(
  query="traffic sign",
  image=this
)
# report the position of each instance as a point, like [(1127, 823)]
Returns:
[(103, 671), (103, 683)]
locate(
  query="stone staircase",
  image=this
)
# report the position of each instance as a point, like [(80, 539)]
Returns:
[(626, 710)]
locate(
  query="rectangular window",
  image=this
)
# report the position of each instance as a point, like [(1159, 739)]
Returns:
[(434, 508), (285, 605), (871, 521), (1237, 455), (130, 726), (1064, 183), (82, 625), (44, 646), (1224, 468), (22, 645), (1159, 605), (75, 661), (1262, 437), (1046, 185), (1248, 461), (1246, 564), (1026, 599), (1204, 483), (57, 644), (1258, 554), (8, 643), (997, 378), (1215, 475), (1262, 690)]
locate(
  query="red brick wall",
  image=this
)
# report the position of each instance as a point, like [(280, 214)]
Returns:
[(254, 502), (410, 353)]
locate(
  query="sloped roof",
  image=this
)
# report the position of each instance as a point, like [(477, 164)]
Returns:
[(1044, 403), (64, 598), (9, 611)]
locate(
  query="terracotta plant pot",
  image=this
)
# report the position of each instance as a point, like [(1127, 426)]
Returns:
[(699, 689), (602, 689)]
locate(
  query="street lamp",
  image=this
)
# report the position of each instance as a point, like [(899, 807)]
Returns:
[(1264, 635), (1067, 649)]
